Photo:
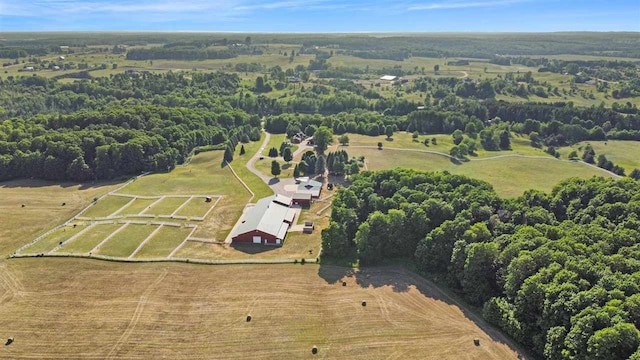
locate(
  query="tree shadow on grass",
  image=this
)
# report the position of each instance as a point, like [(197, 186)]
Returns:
[(401, 279), (273, 181)]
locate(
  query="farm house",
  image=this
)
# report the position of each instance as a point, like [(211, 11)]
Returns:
[(266, 223)]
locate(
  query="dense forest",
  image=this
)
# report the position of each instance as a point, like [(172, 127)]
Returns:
[(559, 272), (115, 126)]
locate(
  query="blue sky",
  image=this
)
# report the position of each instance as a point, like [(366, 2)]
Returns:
[(321, 15)]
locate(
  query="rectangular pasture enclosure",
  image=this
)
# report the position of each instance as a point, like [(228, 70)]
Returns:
[(106, 206), (126, 241), (163, 242), (52, 240), (137, 206), (89, 239), (196, 207), (165, 206)]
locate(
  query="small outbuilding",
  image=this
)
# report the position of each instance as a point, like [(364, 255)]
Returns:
[(388, 78), (310, 187), (308, 227)]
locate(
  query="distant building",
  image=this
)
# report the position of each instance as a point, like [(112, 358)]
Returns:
[(266, 223), (27, 68), (294, 79), (61, 57), (388, 78)]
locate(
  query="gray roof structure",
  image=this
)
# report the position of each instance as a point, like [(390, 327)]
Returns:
[(267, 216), (310, 187)]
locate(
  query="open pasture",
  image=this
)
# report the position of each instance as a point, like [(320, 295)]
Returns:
[(622, 153), (509, 175), (109, 310)]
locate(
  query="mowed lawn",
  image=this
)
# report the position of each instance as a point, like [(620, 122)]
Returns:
[(163, 242), (138, 206), (126, 241), (74, 308), (510, 176), (89, 239), (622, 153)]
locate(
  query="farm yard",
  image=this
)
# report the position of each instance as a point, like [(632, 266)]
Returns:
[(141, 222)]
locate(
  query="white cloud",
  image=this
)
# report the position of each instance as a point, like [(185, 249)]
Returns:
[(463, 4)]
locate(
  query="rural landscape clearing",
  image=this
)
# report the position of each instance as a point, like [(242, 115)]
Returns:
[(257, 179)]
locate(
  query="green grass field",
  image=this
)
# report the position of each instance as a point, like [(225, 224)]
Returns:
[(163, 242), (520, 145), (106, 206), (49, 242), (137, 206), (126, 241), (239, 164), (196, 207), (622, 153), (510, 176), (166, 206), (89, 239)]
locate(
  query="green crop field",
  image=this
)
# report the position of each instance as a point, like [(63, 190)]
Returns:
[(163, 242)]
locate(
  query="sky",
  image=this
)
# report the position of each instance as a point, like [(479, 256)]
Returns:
[(321, 15)]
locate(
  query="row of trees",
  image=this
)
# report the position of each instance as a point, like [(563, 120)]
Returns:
[(558, 272)]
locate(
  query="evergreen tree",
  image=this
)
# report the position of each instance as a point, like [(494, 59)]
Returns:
[(275, 168), (242, 151)]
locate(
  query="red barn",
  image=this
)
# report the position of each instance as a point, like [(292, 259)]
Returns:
[(266, 223)]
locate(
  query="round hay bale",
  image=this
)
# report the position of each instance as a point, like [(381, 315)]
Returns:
[(314, 350), (22, 205), (248, 317), (344, 283), (364, 303), (9, 341), (64, 203), (476, 342)]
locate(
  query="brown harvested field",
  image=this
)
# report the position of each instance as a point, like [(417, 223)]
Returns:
[(182, 311)]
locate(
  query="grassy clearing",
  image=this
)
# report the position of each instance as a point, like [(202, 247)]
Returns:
[(126, 241), (199, 312), (275, 141), (622, 153), (163, 242), (203, 175), (510, 176), (239, 164), (196, 207), (106, 206), (520, 145), (137, 206), (166, 206), (49, 242), (264, 166), (88, 240)]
